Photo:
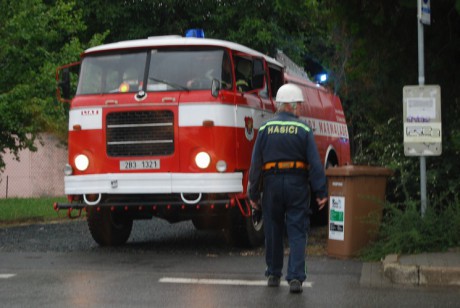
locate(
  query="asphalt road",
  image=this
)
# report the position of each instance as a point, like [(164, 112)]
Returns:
[(163, 265)]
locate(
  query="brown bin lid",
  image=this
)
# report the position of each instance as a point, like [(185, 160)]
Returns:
[(353, 170)]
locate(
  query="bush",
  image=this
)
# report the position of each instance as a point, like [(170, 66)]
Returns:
[(404, 231)]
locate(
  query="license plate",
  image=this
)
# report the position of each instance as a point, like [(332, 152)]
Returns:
[(139, 164)]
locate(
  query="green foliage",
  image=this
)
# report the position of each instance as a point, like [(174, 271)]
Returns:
[(264, 25), (36, 36), (374, 54), (404, 231)]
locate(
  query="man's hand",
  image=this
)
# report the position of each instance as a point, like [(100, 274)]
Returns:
[(254, 204), (321, 202)]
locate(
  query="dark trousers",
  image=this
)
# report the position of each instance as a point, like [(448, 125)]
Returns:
[(285, 206)]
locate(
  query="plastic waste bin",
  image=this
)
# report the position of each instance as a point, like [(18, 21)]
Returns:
[(356, 198)]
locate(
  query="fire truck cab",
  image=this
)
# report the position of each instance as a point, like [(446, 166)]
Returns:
[(165, 126)]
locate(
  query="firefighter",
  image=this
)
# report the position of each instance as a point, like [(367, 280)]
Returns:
[(243, 75), (285, 163)]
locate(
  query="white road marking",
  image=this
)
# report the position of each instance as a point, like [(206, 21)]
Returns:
[(231, 282), (6, 276)]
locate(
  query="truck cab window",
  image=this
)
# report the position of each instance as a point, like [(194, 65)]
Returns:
[(276, 80), (169, 70), (186, 69), (112, 73)]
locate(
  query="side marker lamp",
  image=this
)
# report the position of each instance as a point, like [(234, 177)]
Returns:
[(221, 166), (68, 169)]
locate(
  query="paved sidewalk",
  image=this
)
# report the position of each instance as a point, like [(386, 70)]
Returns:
[(426, 269)]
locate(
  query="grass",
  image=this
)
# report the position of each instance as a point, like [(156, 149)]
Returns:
[(16, 210)]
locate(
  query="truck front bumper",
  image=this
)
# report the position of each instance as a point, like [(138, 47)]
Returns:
[(153, 183)]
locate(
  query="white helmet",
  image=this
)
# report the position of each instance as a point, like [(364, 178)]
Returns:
[(289, 93)]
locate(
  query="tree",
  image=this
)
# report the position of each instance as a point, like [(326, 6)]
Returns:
[(264, 25), (374, 48), (36, 36)]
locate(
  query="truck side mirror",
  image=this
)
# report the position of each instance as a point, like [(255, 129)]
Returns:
[(64, 83)]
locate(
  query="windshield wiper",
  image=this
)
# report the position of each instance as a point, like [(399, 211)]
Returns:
[(169, 83)]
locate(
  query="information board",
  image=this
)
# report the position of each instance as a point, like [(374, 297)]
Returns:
[(422, 120)]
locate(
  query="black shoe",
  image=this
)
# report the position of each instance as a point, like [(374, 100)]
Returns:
[(273, 281), (295, 286)]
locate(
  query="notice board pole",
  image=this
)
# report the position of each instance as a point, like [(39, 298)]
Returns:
[(421, 82)]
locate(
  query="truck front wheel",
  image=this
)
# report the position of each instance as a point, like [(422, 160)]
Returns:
[(108, 228), (246, 231)]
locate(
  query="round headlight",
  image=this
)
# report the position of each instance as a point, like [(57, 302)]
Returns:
[(221, 166), (202, 160), (81, 162)]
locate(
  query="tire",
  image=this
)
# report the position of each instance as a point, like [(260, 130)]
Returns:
[(109, 228), (247, 232)]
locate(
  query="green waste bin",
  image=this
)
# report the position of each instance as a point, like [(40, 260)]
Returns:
[(356, 198)]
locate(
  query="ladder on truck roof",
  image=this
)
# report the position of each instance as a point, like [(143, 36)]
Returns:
[(291, 67)]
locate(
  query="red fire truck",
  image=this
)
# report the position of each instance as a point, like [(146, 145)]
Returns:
[(165, 126)]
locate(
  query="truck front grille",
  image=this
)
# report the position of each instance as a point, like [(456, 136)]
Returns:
[(140, 133)]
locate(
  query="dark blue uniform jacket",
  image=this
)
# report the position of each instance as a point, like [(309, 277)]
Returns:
[(286, 138)]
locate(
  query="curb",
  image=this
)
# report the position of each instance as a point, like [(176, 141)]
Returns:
[(419, 275)]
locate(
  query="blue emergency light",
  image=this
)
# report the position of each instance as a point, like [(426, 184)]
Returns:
[(199, 33), (323, 78)]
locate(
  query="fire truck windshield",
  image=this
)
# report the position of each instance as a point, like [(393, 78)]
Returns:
[(168, 70)]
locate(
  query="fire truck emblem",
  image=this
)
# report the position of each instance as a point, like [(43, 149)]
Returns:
[(249, 128)]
